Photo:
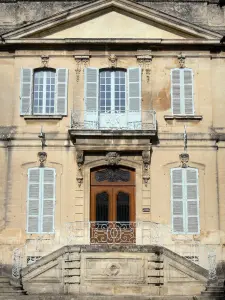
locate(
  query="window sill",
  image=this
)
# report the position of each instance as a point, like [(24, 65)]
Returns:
[(43, 117), (183, 117), (42, 236), (185, 237)]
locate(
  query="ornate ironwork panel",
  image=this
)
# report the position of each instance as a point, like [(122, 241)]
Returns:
[(112, 175)]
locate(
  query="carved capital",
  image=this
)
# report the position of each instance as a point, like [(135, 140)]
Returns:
[(181, 59), (112, 59), (82, 61), (44, 61), (80, 161), (113, 158), (144, 62), (184, 159), (42, 156), (80, 158), (146, 157)]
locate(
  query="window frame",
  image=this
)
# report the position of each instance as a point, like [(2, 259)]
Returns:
[(44, 99), (41, 201), (182, 95), (185, 201), (112, 91)]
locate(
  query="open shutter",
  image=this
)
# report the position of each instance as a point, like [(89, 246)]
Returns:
[(188, 92), (61, 91), (192, 200), (177, 200), (91, 87), (176, 91), (134, 98), (48, 194), (26, 91), (33, 201)]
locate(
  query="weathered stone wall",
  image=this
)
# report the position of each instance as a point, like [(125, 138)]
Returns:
[(19, 13)]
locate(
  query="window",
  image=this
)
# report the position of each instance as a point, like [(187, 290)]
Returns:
[(41, 200), (43, 91), (113, 97), (185, 201), (112, 91), (182, 92)]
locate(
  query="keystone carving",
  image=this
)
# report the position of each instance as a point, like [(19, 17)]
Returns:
[(112, 61), (184, 159), (42, 156), (45, 61), (80, 161), (146, 157), (181, 59), (144, 62), (82, 62), (112, 158)]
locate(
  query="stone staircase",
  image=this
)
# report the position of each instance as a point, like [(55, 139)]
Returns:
[(9, 290)]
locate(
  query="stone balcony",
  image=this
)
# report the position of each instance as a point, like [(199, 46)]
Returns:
[(113, 130)]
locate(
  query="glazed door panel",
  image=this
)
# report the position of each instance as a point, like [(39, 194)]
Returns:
[(112, 212)]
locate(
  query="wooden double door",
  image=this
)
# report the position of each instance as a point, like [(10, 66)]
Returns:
[(112, 211)]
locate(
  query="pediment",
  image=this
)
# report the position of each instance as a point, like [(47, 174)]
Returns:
[(112, 24), (107, 19)]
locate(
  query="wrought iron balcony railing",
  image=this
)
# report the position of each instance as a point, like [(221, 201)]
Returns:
[(113, 120)]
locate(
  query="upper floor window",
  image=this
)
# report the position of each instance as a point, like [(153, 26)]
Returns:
[(182, 99), (41, 200), (113, 97), (185, 200), (43, 91)]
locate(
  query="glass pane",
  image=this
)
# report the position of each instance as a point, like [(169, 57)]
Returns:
[(38, 95), (50, 92), (120, 91), (105, 88), (102, 207), (123, 207), (44, 96)]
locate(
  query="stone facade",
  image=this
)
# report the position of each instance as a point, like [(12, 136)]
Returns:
[(156, 36)]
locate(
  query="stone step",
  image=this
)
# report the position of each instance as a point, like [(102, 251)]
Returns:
[(98, 297), (4, 284), (4, 279), (9, 289)]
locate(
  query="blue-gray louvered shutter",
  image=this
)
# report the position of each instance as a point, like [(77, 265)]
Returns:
[(26, 91), (192, 196), (48, 200), (188, 92), (33, 201), (176, 91), (61, 91), (134, 98), (177, 200), (91, 92)]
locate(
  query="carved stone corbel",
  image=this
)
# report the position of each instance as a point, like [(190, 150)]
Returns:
[(146, 157), (42, 156), (113, 158), (181, 59), (44, 61), (80, 161), (82, 61), (112, 59), (184, 159), (144, 62)]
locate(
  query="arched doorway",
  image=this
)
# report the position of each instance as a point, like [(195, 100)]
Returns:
[(112, 210)]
